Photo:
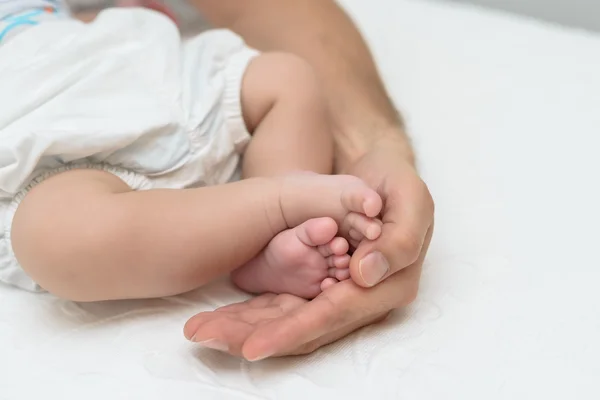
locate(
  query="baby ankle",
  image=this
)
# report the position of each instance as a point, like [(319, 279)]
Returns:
[(274, 204)]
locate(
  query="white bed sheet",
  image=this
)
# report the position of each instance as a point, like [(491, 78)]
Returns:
[(504, 114)]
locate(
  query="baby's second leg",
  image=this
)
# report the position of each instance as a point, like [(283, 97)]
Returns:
[(284, 108)]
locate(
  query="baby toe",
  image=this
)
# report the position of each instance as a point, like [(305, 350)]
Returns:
[(342, 274), (317, 232), (361, 199), (341, 261), (337, 246), (327, 283)]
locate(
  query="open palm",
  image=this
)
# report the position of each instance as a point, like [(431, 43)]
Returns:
[(277, 325), (271, 325)]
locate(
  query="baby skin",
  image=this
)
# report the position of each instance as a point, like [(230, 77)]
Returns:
[(310, 257), (304, 260), (86, 236), (116, 253)]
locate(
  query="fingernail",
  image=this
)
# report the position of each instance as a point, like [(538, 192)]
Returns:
[(373, 232), (373, 267), (213, 344), (259, 358), (365, 205)]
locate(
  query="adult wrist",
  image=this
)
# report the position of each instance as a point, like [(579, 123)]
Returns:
[(352, 145)]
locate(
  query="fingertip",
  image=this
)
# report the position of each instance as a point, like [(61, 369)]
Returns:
[(257, 356), (373, 231), (188, 333), (191, 326), (252, 355), (259, 346), (372, 205), (368, 265), (372, 268)]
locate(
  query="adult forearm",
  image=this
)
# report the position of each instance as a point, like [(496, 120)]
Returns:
[(321, 33)]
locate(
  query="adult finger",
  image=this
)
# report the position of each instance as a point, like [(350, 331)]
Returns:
[(226, 329), (338, 311), (407, 220), (219, 331), (328, 312), (344, 331)]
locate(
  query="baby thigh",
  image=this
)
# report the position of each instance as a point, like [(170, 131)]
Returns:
[(85, 235), (64, 235)]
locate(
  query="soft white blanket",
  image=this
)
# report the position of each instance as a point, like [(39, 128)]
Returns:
[(504, 114)]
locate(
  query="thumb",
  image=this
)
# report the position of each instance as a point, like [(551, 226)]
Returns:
[(396, 249)]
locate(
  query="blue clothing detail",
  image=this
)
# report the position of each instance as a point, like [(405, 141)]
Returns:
[(16, 14), (18, 20)]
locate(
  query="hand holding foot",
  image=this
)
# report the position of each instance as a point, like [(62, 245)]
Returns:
[(277, 325), (309, 258)]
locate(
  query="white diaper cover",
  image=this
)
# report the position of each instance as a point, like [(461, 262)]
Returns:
[(122, 94)]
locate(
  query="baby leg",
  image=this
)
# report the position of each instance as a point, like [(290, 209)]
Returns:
[(285, 111), (287, 116), (85, 236)]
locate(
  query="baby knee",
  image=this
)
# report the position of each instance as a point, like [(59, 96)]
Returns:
[(286, 74), (60, 260), (279, 78), (296, 75), (59, 230)]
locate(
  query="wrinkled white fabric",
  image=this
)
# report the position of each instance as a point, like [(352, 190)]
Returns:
[(503, 112), (19, 15), (122, 94)]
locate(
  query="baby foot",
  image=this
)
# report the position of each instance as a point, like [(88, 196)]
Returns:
[(347, 199), (302, 261)]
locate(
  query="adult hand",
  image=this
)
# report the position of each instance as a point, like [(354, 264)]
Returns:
[(277, 325), (407, 215)]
